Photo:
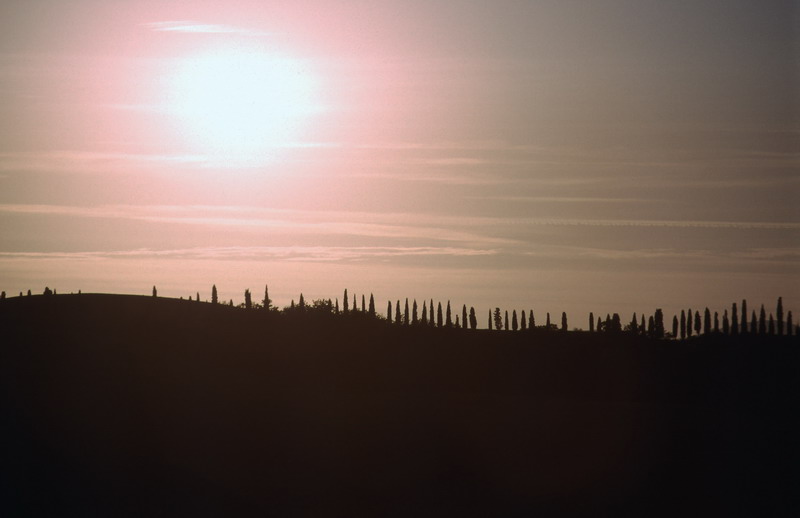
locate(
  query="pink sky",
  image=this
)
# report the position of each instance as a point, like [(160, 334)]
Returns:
[(562, 156)]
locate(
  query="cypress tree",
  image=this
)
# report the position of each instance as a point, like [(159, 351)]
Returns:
[(716, 322), (697, 324), (464, 317), (155, 292), (197, 297), (599, 326), (642, 328), (707, 321), (771, 325), (498, 319), (302, 302), (414, 319), (789, 324), (397, 318), (659, 323), (490, 320), (248, 303), (514, 322), (634, 324), (214, 299), (431, 321), (531, 321), (406, 319), (547, 323), (439, 314), (674, 326), (744, 316), (689, 316), (268, 301), (523, 325), (449, 319), (345, 301), (371, 305), (363, 304), (725, 324), (389, 312), (753, 323), (734, 320), (473, 320), (651, 326), (336, 309), (355, 305), (424, 321), (780, 316), (591, 321), (563, 320), (506, 322), (683, 324), (457, 324), (762, 321)]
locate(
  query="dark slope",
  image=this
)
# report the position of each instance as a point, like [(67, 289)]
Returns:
[(134, 406)]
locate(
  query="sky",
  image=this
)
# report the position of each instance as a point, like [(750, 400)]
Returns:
[(605, 156)]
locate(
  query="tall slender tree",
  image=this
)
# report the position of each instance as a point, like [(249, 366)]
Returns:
[(591, 321), (490, 320), (523, 324), (716, 322), (725, 324), (762, 321), (498, 319), (507, 327), (707, 321), (336, 308), (389, 312), (744, 316), (658, 321), (563, 320), (674, 326), (689, 316), (267, 302), (464, 316), (514, 321), (789, 324), (683, 324), (363, 304), (439, 315), (531, 321), (345, 301), (214, 298), (248, 303), (547, 324), (397, 318), (424, 320), (473, 320), (431, 321), (779, 314), (371, 305), (698, 326), (771, 328), (302, 303), (753, 323), (414, 318), (651, 326), (642, 328), (449, 317), (155, 292), (634, 325), (355, 305), (406, 319), (734, 320)]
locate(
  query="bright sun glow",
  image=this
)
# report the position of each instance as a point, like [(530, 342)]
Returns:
[(241, 106)]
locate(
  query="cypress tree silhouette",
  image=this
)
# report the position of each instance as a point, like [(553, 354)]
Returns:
[(675, 326), (336, 308), (464, 316), (771, 325), (414, 319), (458, 323), (744, 316), (762, 321), (734, 320), (514, 322), (789, 324), (363, 304), (689, 316), (753, 323), (725, 325), (345, 302), (523, 325), (707, 321), (651, 326), (155, 292), (634, 325), (473, 320), (716, 322), (439, 315), (490, 320), (291, 306), (607, 322), (267, 302), (424, 314), (406, 319), (302, 303), (498, 319), (197, 296), (563, 320), (449, 319), (547, 322), (659, 323), (214, 294), (591, 321), (372, 305), (531, 321), (230, 303), (698, 326), (642, 329), (248, 303), (506, 322), (389, 312), (355, 305), (397, 318), (616, 323), (431, 321), (29, 293), (779, 314)]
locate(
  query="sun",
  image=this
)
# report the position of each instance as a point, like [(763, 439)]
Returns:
[(241, 106)]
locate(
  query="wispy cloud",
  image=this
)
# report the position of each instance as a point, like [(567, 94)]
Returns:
[(189, 26)]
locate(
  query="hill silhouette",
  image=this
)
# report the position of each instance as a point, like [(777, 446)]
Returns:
[(118, 405)]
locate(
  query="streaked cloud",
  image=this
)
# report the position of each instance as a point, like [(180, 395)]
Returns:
[(193, 27)]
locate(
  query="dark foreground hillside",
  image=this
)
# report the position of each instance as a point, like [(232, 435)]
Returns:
[(135, 406)]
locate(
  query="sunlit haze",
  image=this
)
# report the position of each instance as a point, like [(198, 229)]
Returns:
[(605, 156)]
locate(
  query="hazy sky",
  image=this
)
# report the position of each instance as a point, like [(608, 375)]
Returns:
[(614, 155)]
